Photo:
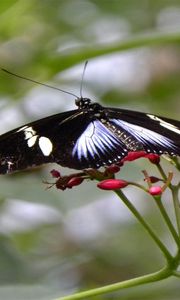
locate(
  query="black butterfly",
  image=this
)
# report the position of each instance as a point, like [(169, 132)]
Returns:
[(89, 137)]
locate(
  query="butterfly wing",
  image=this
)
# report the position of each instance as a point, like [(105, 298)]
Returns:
[(147, 132), (42, 141), (97, 146)]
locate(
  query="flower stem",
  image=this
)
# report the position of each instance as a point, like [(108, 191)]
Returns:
[(175, 190), (167, 220), (153, 277), (161, 171), (144, 224)]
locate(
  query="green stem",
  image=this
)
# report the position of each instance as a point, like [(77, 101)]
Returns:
[(176, 163), (176, 274), (168, 221), (153, 277), (175, 190), (161, 171), (145, 225)]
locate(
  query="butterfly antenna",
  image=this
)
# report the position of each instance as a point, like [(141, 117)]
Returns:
[(37, 82), (82, 80)]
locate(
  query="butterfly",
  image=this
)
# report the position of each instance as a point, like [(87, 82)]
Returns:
[(90, 136)]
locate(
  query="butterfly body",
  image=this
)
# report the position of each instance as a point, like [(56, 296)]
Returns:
[(90, 136)]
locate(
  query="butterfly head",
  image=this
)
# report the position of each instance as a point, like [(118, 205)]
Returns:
[(82, 102)]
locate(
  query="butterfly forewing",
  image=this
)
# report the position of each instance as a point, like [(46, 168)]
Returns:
[(155, 134), (40, 142)]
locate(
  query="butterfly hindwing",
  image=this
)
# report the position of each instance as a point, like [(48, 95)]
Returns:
[(98, 146)]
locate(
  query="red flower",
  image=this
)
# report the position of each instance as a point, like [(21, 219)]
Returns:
[(112, 184), (113, 169), (74, 181), (55, 173), (154, 158), (155, 190), (134, 155)]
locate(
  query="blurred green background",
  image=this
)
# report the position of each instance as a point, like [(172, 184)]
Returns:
[(52, 242)]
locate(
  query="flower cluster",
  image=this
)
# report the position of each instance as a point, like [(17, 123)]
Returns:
[(106, 178)]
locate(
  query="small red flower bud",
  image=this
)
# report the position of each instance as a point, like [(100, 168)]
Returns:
[(74, 181), (113, 169), (155, 190), (55, 173), (112, 184), (152, 179), (134, 155), (154, 158)]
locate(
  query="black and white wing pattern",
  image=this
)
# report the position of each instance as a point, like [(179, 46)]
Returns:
[(88, 137), (98, 146), (39, 142), (110, 138), (155, 134), (74, 139)]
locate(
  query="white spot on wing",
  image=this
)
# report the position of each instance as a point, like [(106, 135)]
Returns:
[(30, 135), (165, 124), (31, 141), (29, 132), (45, 145)]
